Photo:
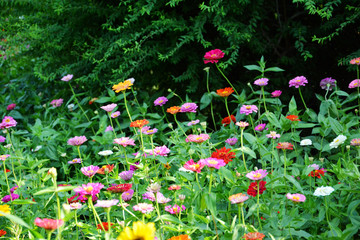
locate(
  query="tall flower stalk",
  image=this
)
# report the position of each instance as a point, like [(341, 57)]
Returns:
[(208, 89)]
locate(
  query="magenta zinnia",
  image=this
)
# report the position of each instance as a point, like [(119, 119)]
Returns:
[(8, 122), (193, 166), (213, 162), (189, 107), (175, 209), (354, 83), (161, 151), (213, 56), (298, 81), (90, 171), (89, 189)]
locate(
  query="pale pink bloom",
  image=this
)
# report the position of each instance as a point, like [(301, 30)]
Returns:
[(242, 125), (11, 106), (197, 138), (315, 166), (75, 205), (77, 141), (49, 224), (124, 141), (273, 135), (109, 129), (161, 151), (8, 122), (248, 109), (175, 209), (189, 107), (144, 208), (109, 107), (257, 175), (276, 93), (213, 162), (67, 78), (261, 82), (193, 166), (296, 197), (298, 81), (106, 203), (147, 131), (354, 83), (353, 142), (57, 102), (193, 122), (115, 114), (238, 198), (4, 157)]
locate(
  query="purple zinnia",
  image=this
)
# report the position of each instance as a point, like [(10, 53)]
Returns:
[(133, 168), (261, 82), (77, 141), (9, 198), (109, 129), (89, 171), (126, 175), (248, 109), (328, 83), (75, 160), (146, 130), (193, 122), (126, 196), (231, 141), (298, 81), (260, 127), (189, 107), (160, 101)]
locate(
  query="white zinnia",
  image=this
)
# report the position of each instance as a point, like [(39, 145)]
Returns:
[(305, 142), (337, 141), (105, 153), (323, 191)]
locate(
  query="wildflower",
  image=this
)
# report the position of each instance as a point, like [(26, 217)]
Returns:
[(284, 146), (122, 86), (242, 125), (317, 173), (328, 83), (160, 101), (276, 93), (174, 187), (226, 121), (67, 78), (213, 162), (75, 205), (197, 138), (2, 139), (257, 175), (8, 122), (248, 109), (293, 118), (305, 142), (149, 195), (323, 191), (106, 203), (49, 224), (355, 142), (231, 141), (261, 82), (254, 236), (224, 154), (120, 188), (161, 151), (71, 107), (355, 61), (260, 127), (13, 189), (354, 83), (147, 131), (144, 208), (104, 226), (77, 141), (154, 187), (193, 122), (180, 237), (93, 100), (175, 209), (253, 188), (193, 166), (298, 81), (106, 169), (297, 197), (5, 209), (213, 56), (108, 108), (89, 171), (189, 107), (273, 135), (109, 129), (105, 153), (238, 198), (225, 92), (11, 106), (90, 189), (140, 231), (126, 175), (2, 233), (9, 198), (4, 157), (337, 141), (74, 161), (115, 114), (57, 102), (139, 123), (124, 141), (127, 195)]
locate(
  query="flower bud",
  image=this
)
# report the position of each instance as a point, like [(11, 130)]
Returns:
[(311, 159), (182, 197), (52, 172)]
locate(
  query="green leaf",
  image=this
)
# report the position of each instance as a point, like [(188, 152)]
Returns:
[(15, 219), (335, 126), (169, 218), (296, 183), (23, 201), (247, 151), (52, 190), (210, 200), (273, 120), (274, 69), (227, 174), (300, 233), (205, 100), (292, 105), (253, 67)]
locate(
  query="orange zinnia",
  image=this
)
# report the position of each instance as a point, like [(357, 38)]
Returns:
[(181, 237), (139, 123), (224, 92), (105, 169), (173, 110), (254, 236), (293, 118), (122, 86)]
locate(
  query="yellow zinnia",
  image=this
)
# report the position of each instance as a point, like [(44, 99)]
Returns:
[(140, 231), (5, 209), (122, 86)]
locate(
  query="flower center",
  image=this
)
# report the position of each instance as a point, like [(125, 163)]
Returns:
[(88, 189), (298, 80), (248, 107), (213, 162), (7, 120), (257, 175), (296, 198)]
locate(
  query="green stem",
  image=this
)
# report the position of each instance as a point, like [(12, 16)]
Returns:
[(12, 162), (179, 125), (127, 110), (78, 149), (227, 109), (112, 124), (258, 203), (164, 114), (242, 214), (49, 234), (197, 179), (302, 99), (132, 90), (226, 79), (242, 148), (211, 106), (327, 215), (7, 180), (157, 208), (284, 162), (211, 179), (96, 216), (252, 124), (263, 93), (109, 222)]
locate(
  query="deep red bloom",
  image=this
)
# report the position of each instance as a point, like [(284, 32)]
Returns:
[(317, 173), (2, 233), (7, 170), (252, 190), (224, 154), (293, 118), (105, 225), (226, 121), (120, 188)]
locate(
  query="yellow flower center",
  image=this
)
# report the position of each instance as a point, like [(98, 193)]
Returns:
[(298, 80), (257, 175), (160, 101), (212, 161), (213, 55), (7, 120), (248, 107), (88, 189), (296, 198)]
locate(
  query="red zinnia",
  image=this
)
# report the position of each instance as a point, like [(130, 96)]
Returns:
[(317, 173), (2, 233), (105, 169), (225, 92), (7, 170), (226, 121), (293, 118), (120, 188), (285, 145), (254, 236), (139, 123), (252, 190), (105, 225), (224, 154)]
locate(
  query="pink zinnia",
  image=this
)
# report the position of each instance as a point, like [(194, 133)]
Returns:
[(276, 93), (89, 189), (189, 107), (4, 157), (109, 107), (77, 141), (89, 171), (57, 102), (161, 151), (49, 224), (213, 56), (355, 61), (248, 109), (260, 127), (11, 106), (354, 83), (109, 129), (238, 198), (242, 125), (8, 122), (257, 175), (144, 208), (124, 141), (197, 138), (213, 162), (160, 101), (175, 209), (298, 81), (297, 197), (261, 82), (193, 166), (353, 142), (273, 135), (115, 114), (67, 78), (231, 141), (2, 139)]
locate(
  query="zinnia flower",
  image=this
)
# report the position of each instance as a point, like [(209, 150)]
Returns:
[(328, 83), (180, 237), (2, 139), (75, 205), (337, 141), (189, 107), (293, 118), (122, 86), (147, 131), (213, 162), (5, 209), (305, 142), (104, 226), (120, 188), (57, 102), (213, 56), (161, 151), (75, 160), (175, 209), (231, 141), (226, 120), (193, 166), (140, 230), (297, 197), (106, 203), (4, 157), (276, 93), (224, 154), (49, 224), (254, 236), (9, 198), (173, 110), (11, 106), (2, 233), (298, 81), (77, 141), (115, 114), (355, 142), (126, 175), (127, 195), (354, 83), (12, 190), (144, 208), (284, 146), (261, 82), (248, 109), (139, 123), (253, 188), (355, 61), (260, 127), (8, 122), (323, 191), (197, 138), (67, 78), (160, 101), (193, 122), (108, 108), (317, 172), (174, 187), (225, 92), (106, 169), (90, 189), (154, 187), (109, 129), (105, 153), (257, 175), (124, 141), (242, 125), (273, 135), (89, 171), (238, 198)]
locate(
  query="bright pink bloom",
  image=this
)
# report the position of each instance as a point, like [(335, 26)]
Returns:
[(193, 166), (197, 138), (231, 141), (2, 139), (124, 141), (354, 83), (213, 56), (57, 102), (160, 101), (298, 81), (175, 209), (248, 109), (257, 175), (89, 171), (115, 114), (355, 61), (276, 93), (8, 122), (11, 106), (161, 151), (213, 162), (49, 224), (67, 78), (260, 127), (261, 82), (189, 107), (109, 107), (297, 197), (77, 141), (89, 189)]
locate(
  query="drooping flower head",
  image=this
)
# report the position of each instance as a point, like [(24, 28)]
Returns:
[(106, 203), (49, 224), (213, 56), (115, 114), (273, 135), (193, 166), (261, 82), (248, 109), (144, 208), (285, 146), (225, 92), (224, 154), (253, 188), (257, 175), (11, 106), (260, 127), (197, 138), (124, 141), (354, 83), (293, 118), (238, 198), (67, 78), (173, 110), (298, 81), (77, 141), (189, 107), (276, 93), (122, 86), (253, 236), (226, 121), (160, 101), (213, 162), (8, 122), (108, 108), (328, 83), (337, 141), (231, 141), (161, 151), (175, 209), (57, 102), (140, 230), (297, 197), (139, 123), (90, 189), (323, 191), (355, 61), (120, 188)]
